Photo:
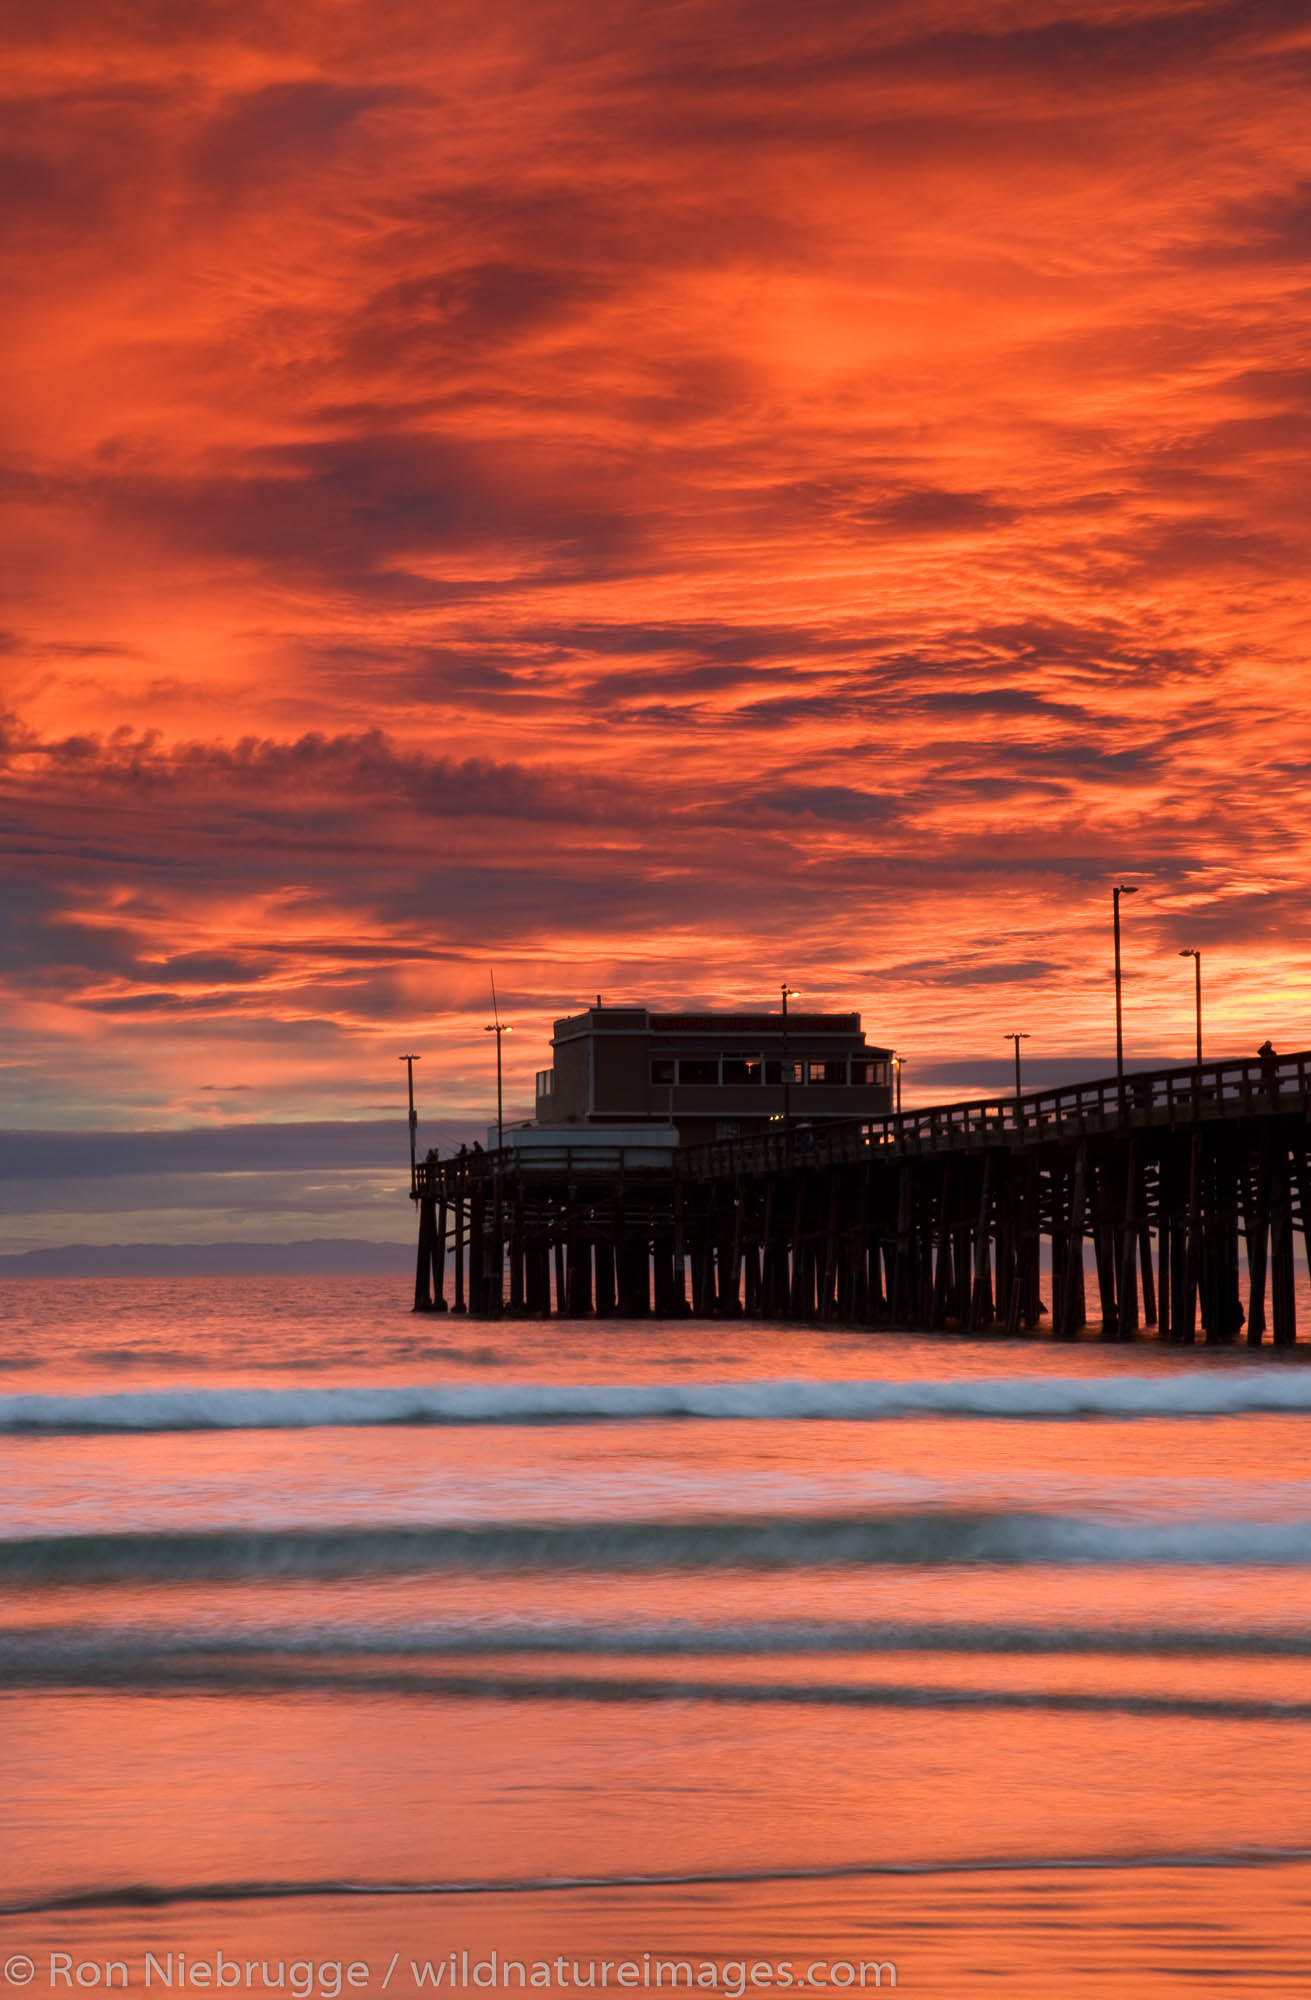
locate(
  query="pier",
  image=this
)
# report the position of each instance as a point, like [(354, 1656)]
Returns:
[(1113, 1205)]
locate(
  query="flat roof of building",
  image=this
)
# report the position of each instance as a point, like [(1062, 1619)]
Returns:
[(641, 1021), (753, 1024)]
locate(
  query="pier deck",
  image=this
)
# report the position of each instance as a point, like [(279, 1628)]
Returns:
[(1143, 1189)]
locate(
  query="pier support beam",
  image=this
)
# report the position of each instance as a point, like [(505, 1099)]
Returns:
[(459, 1305), (1283, 1297), (1073, 1306), (423, 1301)]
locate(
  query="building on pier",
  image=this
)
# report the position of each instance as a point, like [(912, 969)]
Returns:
[(711, 1076)]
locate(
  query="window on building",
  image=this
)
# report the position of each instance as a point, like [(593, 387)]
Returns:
[(662, 1069), (780, 1072), (545, 1082), (741, 1069), (869, 1070), (831, 1070), (698, 1069)]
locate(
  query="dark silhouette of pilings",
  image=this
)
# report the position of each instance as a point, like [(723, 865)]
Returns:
[(1176, 1202)]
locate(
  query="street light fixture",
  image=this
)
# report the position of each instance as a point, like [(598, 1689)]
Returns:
[(498, 1027), (1017, 1039), (897, 1062), (1121, 889), (1196, 957), (788, 993)]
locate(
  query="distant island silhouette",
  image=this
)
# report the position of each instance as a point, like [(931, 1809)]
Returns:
[(340, 1255)]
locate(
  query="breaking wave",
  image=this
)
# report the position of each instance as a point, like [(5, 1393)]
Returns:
[(1218, 1392), (935, 1537)]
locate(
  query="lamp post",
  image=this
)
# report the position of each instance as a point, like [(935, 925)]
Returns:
[(897, 1062), (1196, 957), (498, 1027), (788, 993), (1017, 1039), (409, 1062), (1120, 889)]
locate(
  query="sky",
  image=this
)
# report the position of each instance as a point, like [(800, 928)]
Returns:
[(652, 500)]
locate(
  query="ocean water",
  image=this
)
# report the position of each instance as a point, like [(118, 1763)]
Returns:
[(347, 1651)]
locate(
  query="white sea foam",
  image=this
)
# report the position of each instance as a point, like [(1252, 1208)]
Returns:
[(1218, 1392)]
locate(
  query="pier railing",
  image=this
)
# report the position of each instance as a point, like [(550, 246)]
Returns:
[(1185, 1095), (465, 1170)]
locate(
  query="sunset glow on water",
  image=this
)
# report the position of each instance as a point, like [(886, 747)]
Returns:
[(1010, 1698)]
